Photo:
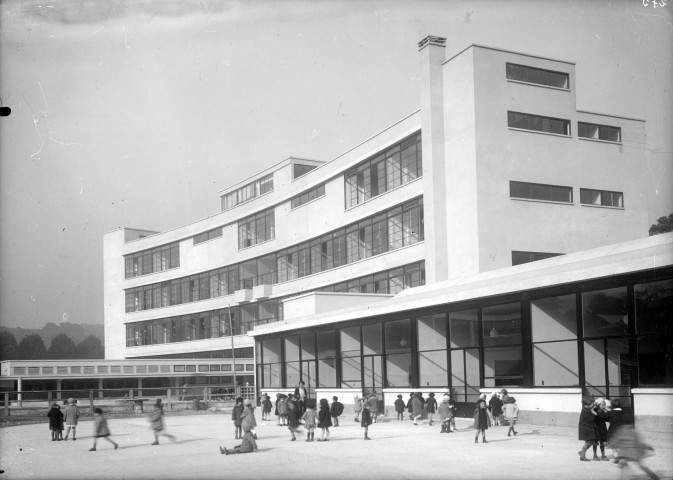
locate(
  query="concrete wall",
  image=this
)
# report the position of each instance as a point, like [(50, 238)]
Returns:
[(653, 409)]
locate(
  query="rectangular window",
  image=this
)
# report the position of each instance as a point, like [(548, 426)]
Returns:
[(536, 191), (601, 197), (519, 258), (308, 196), (299, 169), (538, 123), (539, 76), (599, 132), (152, 260), (256, 229), (209, 235), (247, 192)]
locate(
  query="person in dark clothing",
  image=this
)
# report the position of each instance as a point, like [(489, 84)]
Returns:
[(293, 417), (366, 419), (587, 428), (601, 428), (55, 422), (430, 407), (495, 404), (236, 414), (409, 406), (324, 420), (416, 407), (480, 421), (399, 407), (336, 409)]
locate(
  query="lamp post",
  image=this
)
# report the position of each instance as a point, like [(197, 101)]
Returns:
[(233, 351)]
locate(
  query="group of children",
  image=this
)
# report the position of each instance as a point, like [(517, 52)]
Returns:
[(416, 405), (620, 436), (499, 408), (57, 418)]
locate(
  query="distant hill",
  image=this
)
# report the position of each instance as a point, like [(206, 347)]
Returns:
[(76, 331)]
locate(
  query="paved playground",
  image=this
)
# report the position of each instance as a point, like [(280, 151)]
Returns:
[(398, 450)]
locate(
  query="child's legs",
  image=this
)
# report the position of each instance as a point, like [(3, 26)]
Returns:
[(110, 440), (366, 430), (291, 431), (326, 432)]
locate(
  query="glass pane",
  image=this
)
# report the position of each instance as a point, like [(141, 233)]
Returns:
[(292, 349), (504, 365), (271, 375), (433, 369), (371, 339), (432, 332), (398, 334), (350, 341), (271, 351), (472, 369), (594, 363), (308, 346), (351, 375), (553, 318), (308, 374), (398, 370), (502, 324), (327, 372), (619, 362), (654, 308), (292, 376), (464, 329), (655, 362), (326, 344), (457, 368), (604, 312), (555, 364)]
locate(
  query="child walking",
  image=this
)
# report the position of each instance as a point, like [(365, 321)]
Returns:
[(630, 447), (248, 422), (309, 418), (416, 407), (71, 417), (366, 419), (495, 404), (292, 418), (430, 406), (266, 407), (283, 410), (399, 408), (587, 428), (357, 407), (324, 420), (55, 422), (480, 421), (100, 429), (599, 411), (511, 413), (157, 423), (336, 409), (236, 414), (445, 415)]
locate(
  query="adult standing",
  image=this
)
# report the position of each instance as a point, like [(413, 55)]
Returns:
[(302, 392)]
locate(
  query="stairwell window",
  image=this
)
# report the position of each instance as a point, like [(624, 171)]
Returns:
[(599, 132), (601, 197), (256, 229), (538, 123)]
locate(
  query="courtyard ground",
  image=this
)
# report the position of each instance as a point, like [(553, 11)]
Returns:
[(398, 450)]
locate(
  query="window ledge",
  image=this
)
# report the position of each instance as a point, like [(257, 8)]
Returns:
[(152, 273), (599, 140), (521, 82), (420, 177), (541, 201), (539, 132), (601, 206)]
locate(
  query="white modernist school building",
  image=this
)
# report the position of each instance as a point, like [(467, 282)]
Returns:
[(421, 231)]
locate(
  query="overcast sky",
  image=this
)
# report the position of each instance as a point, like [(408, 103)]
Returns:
[(138, 113)]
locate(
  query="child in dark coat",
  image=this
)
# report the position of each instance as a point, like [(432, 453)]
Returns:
[(409, 406), (366, 419), (236, 414), (55, 422), (292, 418), (495, 404), (445, 410), (100, 429), (336, 409), (481, 421), (601, 428), (587, 428), (324, 420), (399, 408), (157, 423), (430, 407), (416, 407), (265, 402)]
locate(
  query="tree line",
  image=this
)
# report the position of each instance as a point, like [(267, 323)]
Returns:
[(32, 347)]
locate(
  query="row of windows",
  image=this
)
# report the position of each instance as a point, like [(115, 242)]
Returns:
[(215, 323), (622, 333), (257, 228), (395, 228), (556, 193), (397, 165), (247, 192), (560, 126), (209, 235), (244, 352), (538, 76), (152, 260), (308, 196), (392, 229)]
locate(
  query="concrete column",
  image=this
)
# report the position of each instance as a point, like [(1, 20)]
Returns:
[(431, 50), (100, 388), (140, 387), (58, 389), (19, 397)]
